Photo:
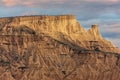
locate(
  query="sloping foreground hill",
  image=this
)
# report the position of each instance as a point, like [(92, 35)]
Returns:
[(55, 48)]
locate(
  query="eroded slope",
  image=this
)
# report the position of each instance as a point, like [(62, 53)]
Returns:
[(55, 48), (44, 58)]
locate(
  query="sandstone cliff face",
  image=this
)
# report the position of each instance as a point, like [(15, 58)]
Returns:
[(58, 27), (55, 48)]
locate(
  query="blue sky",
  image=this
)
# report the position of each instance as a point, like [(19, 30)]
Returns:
[(106, 13)]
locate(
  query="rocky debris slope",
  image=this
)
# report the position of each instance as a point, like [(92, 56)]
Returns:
[(55, 48)]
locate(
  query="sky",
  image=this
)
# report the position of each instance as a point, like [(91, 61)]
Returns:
[(105, 13)]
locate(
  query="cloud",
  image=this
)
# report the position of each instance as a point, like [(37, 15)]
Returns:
[(114, 28), (115, 41), (9, 3), (29, 3), (67, 3), (112, 1)]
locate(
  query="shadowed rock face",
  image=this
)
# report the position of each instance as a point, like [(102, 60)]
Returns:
[(55, 48)]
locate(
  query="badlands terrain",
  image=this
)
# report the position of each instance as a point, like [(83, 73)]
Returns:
[(55, 48)]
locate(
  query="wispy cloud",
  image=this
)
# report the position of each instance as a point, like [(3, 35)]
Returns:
[(29, 3), (9, 3), (115, 41), (108, 1)]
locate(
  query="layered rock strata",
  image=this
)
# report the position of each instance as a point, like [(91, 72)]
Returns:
[(55, 48)]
